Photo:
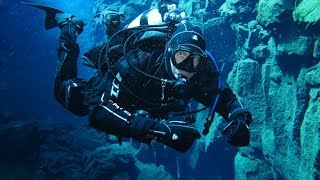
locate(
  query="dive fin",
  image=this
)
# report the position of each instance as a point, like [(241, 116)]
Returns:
[(53, 16)]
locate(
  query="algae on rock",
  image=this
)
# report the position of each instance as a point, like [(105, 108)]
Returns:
[(307, 11)]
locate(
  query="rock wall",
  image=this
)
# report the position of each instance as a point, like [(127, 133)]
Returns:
[(270, 55)]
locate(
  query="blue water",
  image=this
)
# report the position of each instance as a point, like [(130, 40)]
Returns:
[(29, 57)]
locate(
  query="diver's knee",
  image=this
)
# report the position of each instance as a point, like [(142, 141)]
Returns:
[(70, 95)]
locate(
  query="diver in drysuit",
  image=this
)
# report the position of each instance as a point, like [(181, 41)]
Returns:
[(111, 21), (166, 11), (139, 94)]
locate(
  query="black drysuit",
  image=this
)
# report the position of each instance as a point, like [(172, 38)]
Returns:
[(113, 100)]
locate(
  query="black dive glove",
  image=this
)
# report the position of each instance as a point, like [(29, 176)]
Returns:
[(237, 129), (176, 134), (139, 128)]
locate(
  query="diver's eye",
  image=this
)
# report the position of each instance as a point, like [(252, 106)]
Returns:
[(180, 56), (180, 53)]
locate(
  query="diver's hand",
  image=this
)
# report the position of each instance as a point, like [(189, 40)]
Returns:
[(176, 134), (140, 125), (237, 129), (175, 16)]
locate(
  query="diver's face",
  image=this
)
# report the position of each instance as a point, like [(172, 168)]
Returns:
[(180, 59), (171, 7), (112, 27), (112, 23), (180, 56)]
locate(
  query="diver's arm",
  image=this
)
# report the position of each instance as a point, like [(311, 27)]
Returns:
[(110, 118), (229, 107), (228, 104), (205, 90), (238, 117)]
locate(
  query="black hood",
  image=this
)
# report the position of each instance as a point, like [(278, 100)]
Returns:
[(187, 37)]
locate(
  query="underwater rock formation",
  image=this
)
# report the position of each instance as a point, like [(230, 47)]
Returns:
[(274, 13), (112, 161), (283, 96), (20, 141), (298, 45), (62, 150)]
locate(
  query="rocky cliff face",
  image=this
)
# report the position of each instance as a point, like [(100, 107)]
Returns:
[(271, 58)]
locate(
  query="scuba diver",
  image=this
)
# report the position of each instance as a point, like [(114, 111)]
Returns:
[(141, 94), (167, 10), (111, 21)]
